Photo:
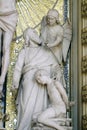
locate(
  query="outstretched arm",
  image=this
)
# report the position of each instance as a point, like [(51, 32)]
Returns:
[(18, 69)]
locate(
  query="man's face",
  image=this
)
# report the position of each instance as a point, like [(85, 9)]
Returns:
[(51, 20)]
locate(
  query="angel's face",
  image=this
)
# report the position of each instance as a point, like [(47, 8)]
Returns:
[(51, 20)]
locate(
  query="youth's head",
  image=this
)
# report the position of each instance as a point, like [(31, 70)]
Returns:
[(41, 76), (52, 17)]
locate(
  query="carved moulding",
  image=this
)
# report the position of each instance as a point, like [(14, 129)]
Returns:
[(84, 64), (84, 93), (84, 122), (84, 35), (84, 100), (84, 9)]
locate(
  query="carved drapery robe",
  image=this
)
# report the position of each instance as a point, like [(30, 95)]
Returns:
[(32, 98)]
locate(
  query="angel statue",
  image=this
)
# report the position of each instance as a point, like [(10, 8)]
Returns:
[(56, 38), (8, 20)]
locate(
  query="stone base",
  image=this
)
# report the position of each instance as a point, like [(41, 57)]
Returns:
[(39, 126), (49, 128), (2, 128), (63, 122), (42, 128)]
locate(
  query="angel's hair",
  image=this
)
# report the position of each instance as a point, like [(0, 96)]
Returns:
[(54, 13)]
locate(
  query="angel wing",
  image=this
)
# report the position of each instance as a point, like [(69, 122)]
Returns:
[(67, 39)]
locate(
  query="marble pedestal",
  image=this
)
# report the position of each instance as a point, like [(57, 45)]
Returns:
[(65, 124), (38, 126), (48, 128), (2, 129)]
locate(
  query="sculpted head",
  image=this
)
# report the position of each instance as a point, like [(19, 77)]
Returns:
[(52, 17), (31, 34), (41, 76)]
